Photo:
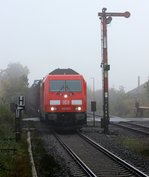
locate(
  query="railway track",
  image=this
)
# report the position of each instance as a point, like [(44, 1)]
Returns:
[(134, 127), (128, 125), (94, 159)]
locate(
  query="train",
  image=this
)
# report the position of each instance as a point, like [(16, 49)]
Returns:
[(61, 99)]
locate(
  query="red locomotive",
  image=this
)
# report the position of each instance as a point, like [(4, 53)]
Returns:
[(63, 99)]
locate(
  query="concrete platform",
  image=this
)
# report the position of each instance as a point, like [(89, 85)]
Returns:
[(120, 119), (35, 119)]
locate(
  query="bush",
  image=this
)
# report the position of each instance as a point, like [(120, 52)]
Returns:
[(6, 115)]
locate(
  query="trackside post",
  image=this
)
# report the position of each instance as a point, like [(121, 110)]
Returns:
[(20, 106)]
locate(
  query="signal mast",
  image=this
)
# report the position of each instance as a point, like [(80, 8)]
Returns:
[(106, 18)]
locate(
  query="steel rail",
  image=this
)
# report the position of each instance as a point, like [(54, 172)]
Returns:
[(132, 128), (128, 166), (83, 166)]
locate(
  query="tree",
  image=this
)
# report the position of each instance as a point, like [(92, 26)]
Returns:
[(13, 81), (146, 86), (119, 102)]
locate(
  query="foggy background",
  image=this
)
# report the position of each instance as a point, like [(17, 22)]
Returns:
[(48, 34)]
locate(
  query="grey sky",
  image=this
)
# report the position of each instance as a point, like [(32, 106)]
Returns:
[(47, 34)]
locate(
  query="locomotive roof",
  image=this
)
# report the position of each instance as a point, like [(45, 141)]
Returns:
[(63, 71)]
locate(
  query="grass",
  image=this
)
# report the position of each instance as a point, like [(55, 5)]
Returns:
[(139, 146), (14, 163)]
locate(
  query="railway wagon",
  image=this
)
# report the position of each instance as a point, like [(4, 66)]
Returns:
[(63, 99)]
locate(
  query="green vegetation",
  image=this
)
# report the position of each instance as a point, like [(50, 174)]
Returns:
[(14, 159), (137, 145), (45, 163), (21, 164)]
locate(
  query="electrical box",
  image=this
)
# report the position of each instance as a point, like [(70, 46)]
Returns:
[(106, 67), (93, 106)]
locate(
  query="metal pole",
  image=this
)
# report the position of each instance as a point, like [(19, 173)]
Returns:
[(93, 88), (105, 75), (106, 18), (93, 100), (18, 125)]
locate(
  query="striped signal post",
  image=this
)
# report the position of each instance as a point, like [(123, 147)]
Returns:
[(106, 18)]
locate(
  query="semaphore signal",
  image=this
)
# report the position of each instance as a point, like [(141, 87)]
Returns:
[(106, 18)]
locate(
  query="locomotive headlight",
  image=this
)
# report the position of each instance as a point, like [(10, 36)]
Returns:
[(65, 96), (78, 108), (53, 108)]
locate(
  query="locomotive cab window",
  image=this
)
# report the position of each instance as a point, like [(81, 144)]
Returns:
[(65, 86), (57, 85), (73, 86)]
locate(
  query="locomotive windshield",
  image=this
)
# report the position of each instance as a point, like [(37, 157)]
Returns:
[(65, 86)]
